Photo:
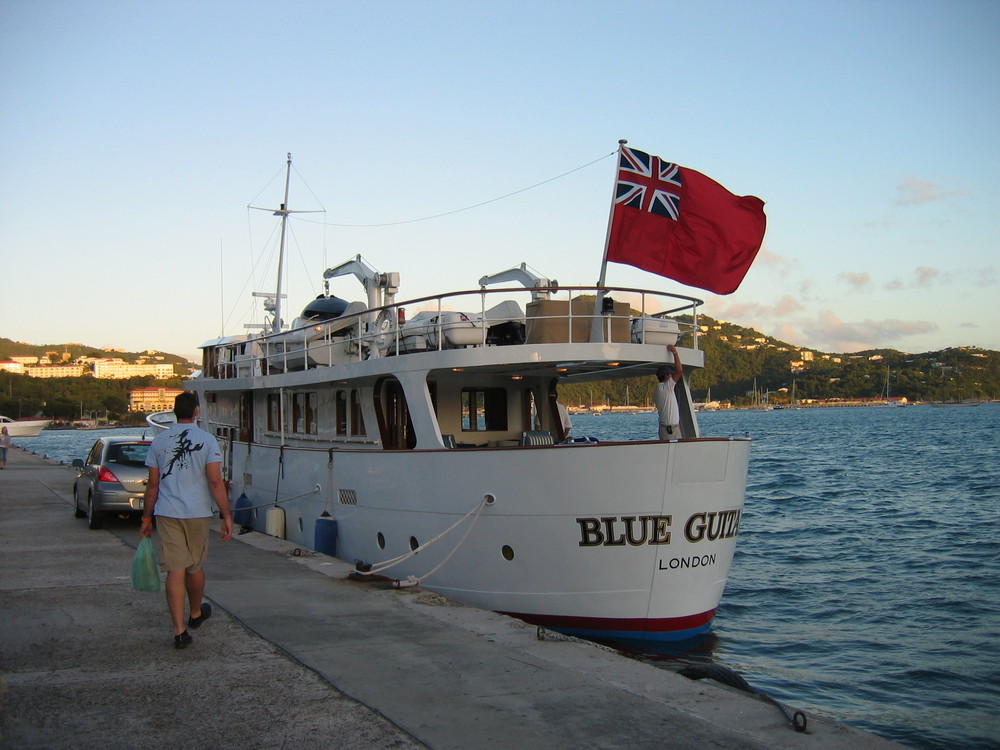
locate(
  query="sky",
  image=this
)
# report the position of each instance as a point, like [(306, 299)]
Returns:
[(136, 134)]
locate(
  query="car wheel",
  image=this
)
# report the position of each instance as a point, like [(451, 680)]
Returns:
[(76, 504), (94, 518)]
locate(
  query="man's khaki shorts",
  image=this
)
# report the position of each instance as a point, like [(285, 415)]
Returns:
[(183, 543)]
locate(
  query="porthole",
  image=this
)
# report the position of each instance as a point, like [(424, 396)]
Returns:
[(380, 540), (413, 542), (507, 552)]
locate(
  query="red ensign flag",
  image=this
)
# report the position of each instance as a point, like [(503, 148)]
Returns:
[(678, 223)]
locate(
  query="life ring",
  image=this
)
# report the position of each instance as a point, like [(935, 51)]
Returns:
[(383, 333)]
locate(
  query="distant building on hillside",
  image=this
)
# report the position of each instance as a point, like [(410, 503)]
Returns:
[(98, 368), (115, 368), (148, 400), (54, 371)]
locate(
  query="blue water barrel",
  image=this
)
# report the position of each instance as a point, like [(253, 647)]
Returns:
[(242, 515), (326, 534)]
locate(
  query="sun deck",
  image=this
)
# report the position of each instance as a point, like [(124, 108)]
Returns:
[(467, 320)]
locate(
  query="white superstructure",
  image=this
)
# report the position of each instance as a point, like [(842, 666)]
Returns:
[(421, 439)]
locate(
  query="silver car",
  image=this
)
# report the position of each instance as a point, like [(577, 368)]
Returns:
[(112, 479)]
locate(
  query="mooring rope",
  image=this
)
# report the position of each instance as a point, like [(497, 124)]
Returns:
[(413, 580), (726, 676), (315, 490)]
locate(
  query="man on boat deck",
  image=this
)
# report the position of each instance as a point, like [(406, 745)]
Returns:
[(185, 476), (565, 422), (665, 398)]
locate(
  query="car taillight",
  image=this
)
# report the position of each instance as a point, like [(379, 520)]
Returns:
[(106, 476)]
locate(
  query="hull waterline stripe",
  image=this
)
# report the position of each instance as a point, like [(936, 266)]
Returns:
[(635, 626), (633, 636)]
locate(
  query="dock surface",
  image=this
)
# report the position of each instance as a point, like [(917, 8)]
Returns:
[(295, 654)]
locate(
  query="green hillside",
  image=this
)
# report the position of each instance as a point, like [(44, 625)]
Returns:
[(735, 356), (71, 398), (70, 352)]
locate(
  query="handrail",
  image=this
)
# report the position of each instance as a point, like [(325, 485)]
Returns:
[(357, 337)]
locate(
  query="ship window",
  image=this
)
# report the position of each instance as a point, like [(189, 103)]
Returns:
[(274, 412), (304, 413), (484, 409), (341, 413), (298, 413), (246, 417), (357, 420)]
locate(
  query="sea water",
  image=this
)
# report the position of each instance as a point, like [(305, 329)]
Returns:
[(866, 582)]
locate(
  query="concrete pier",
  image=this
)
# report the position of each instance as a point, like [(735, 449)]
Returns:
[(297, 655)]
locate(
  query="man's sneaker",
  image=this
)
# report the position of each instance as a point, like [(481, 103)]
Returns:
[(183, 640), (206, 612)]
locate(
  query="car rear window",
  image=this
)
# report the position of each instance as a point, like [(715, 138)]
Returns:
[(130, 454)]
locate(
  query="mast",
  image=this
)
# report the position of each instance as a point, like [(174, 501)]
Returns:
[(272, 303), (283, 213)]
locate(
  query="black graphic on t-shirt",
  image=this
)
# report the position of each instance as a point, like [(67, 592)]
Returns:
[(183, 449)]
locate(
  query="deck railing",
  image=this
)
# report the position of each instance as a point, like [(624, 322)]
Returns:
[(475, 318)]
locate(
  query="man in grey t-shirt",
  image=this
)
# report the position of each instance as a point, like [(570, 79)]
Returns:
[(185, 477)]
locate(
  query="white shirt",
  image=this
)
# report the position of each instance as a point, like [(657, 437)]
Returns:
[(666, 402)]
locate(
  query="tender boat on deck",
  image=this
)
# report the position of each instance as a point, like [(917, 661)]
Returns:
[(422, 440), (161, 421)]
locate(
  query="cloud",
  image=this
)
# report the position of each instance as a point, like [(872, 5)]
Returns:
[(787, 319), (880, 224), (829, 333), (754, 311), (924, 277), (985, 276), (913, 191), (787, 332), (858, 281), (782, 264)]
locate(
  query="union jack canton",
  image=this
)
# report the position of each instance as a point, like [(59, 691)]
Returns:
[(645, 182)]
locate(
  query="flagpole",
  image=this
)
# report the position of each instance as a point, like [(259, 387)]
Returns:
[(597, 323)]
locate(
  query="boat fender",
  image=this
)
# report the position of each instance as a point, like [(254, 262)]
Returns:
[(241, 511), (326, 535), (276, 522)]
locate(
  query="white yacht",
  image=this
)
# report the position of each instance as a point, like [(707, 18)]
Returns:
[(421, 440)]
